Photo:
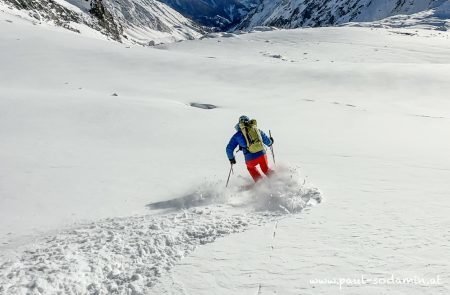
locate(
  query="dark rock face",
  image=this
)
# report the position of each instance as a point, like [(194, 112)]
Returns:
[(105, 19)]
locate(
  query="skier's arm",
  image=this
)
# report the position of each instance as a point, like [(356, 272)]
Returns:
[(267, 141), (231, 147)]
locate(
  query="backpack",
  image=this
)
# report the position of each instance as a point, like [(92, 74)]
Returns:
[(252, 136)]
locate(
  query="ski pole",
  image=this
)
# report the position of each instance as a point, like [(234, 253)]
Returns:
[(229, 174), (271, 148), (231, 168)]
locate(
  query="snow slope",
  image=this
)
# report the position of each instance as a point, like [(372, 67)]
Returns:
[(111, 182), (130, 255)]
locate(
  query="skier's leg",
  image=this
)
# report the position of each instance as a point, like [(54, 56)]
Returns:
[(251, 167), (263, 164)]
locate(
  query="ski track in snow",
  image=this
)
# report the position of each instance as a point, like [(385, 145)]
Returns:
[(129, 255)]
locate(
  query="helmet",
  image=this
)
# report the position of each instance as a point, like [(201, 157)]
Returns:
[(244, 119)]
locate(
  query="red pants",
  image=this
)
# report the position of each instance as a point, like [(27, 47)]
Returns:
[(262, 162)]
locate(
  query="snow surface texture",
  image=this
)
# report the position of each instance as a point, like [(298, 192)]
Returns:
[(92, 130), (307, 13), (129, 255)]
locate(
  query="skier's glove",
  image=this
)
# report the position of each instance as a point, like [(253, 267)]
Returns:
[(233, 161), (271, 139)]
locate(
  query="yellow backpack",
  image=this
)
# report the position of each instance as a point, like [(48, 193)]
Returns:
[(252, 136)]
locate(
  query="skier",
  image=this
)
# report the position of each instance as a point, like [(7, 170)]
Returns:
[(251, 141)]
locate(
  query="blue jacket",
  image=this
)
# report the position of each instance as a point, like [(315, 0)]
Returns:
[(238, 139)]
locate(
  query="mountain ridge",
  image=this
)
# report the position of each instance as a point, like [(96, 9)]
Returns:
[(152, 22), (290, 14), (143, 22)]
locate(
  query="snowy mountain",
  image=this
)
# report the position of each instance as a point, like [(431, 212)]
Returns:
[(144, 22), (436, 19), (112, 175), (221, 14), (314, 13)]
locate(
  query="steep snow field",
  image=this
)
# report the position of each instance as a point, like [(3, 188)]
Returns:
[(110, 182)]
